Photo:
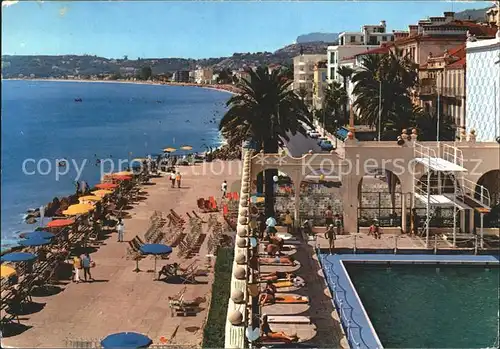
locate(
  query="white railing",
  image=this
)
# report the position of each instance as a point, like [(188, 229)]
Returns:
[(453, 155), (476, 192), (421, 151)]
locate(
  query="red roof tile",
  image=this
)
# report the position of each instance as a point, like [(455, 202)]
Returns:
[(460, 64)]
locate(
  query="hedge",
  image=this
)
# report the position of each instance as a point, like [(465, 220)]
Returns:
[(214, 332)]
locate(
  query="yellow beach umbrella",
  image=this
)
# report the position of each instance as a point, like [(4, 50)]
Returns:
[(77, 209), (89, 198), (169, 150), (123, 173), (6, 271), (102, 192), (187, 147)]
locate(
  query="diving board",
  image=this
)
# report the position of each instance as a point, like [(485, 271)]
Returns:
[(442, 201), (440, 165)]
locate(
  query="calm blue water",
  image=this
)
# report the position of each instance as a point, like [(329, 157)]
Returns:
[(41, 120)]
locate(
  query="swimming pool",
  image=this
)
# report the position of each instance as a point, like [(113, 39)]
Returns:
[(417, 301)]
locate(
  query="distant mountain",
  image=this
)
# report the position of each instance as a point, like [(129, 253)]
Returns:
[(316, 37), (472, 14), (86, 65)]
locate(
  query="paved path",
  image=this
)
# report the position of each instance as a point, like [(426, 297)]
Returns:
[(300, 144), (122, 300)]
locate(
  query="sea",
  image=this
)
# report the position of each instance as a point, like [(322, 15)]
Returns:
[(43, 121)]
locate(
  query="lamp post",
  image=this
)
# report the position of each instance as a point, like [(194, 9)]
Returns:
[(379, 107), (438, 105), (335, 130)]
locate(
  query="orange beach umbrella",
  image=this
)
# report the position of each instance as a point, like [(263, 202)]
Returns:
[(169, 150), (123, 173), (89, 198), (59, 223), (101, 192), (122, 178), (106, 186), (6, 271), (78, 209)]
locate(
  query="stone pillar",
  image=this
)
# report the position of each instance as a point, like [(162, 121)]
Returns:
[(403, 212), (296, 203), (471, 221), (350, 203), (462, 214)]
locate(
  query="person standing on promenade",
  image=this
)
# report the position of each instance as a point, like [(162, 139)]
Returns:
[(87, 264), (120, 227), (178, 178), (331, 237), (172, 178), (288, 222), (414, 222), (224, 189), (328, 216), (77, 265)]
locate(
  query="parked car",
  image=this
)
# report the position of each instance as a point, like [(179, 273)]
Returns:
[(321, 139), (326, 145), (313, 133)]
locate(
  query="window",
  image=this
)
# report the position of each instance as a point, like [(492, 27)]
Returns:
[(384, 38), (392, 38), (353, 38), (373, 40), (332, 57), (332, 73)]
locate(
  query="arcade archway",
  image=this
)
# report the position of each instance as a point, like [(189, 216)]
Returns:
[(491, 181)]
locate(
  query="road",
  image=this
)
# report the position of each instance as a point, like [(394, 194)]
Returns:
[(300, 144)]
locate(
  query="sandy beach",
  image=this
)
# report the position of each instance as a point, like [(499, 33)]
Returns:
[(121, 300)]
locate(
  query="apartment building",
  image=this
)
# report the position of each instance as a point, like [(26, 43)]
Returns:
[(483, 88), (353, 43), (181, 76), (203, 75), (303, 75), (442, 79), (320, 83)]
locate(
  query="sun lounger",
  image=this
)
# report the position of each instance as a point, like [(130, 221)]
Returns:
[(276, 261), (290, 299), (288, 319)]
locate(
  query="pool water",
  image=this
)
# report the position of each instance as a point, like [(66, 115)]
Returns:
[(415, 306)]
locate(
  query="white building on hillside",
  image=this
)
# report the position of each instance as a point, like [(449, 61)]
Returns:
[(203, 75), (483, 88), (353, 43)]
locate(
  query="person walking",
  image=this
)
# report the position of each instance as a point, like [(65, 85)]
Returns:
[(414, 222), (178, 178), (338, 224), (120, 227), (288, 222), (331, 237), (87, 263), (328, 216), (172, 178), (77, 265), (224, 189)]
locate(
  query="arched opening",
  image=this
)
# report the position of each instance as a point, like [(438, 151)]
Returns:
[(379, 199), (320, 189), (283, 195), (491, 181)]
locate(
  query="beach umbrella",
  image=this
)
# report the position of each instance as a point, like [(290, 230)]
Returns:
[(91, 198), (78, 209), (187, 147), (34, 242), (18, 257), (141, 160), (6, 271), (169, 150), (126, 340), (284, 236), (37, 235), (122, 177), (123, 173), (101, 192), (60, 223), (106, 186), (155, 250)]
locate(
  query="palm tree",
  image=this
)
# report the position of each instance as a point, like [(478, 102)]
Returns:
[(427, 122), (334, 98), (386, 80), (346, 73), (266, 110)]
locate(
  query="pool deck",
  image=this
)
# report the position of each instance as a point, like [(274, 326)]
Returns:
[(354, 318), (121, 300)]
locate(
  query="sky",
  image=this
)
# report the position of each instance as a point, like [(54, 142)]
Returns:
[(192, 29)]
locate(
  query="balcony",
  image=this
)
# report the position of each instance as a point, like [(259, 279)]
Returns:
[(427, 90)]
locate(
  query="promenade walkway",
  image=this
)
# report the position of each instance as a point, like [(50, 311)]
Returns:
[(121, 300)]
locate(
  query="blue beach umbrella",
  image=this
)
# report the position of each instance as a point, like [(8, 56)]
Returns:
[(155, 250), (18, 257), (33, 242), (37, 235), (126, 340)]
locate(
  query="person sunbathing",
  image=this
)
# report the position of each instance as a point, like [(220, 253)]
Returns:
[(269, 294), (272, 250), (275, 275), (267, 333), (287, 260), (168, 270)]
